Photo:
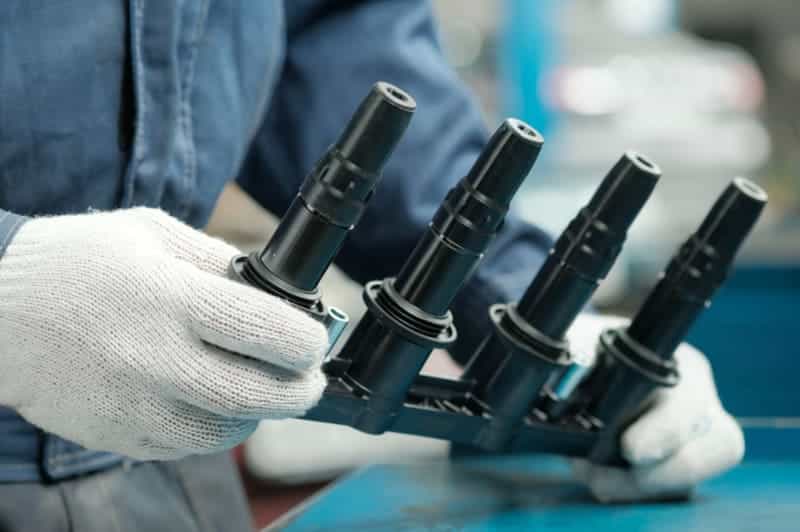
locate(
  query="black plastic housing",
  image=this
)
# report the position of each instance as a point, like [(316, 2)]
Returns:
[(407, 316), (503, 402), (527, 349), (633, 362), (329, 204), (591, 418)]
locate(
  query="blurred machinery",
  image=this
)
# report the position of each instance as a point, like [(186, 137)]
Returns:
[(601, 76), (769, 31), (622, 81)]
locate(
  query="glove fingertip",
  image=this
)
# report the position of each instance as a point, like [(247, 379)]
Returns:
[(737, 445), (317, 383), (644, 446), (303, 345), (304, 392), (244, 320), (292, 352)]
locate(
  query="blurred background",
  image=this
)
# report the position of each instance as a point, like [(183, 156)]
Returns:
[(706, 88)]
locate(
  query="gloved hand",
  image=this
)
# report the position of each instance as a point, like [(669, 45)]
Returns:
[(685, 438), (120, 331)]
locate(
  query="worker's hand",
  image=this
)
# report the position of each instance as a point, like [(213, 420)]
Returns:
[(120, 331), (685, 438)]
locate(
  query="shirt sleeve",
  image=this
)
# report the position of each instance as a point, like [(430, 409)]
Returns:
[(335, 51), (9, 225)]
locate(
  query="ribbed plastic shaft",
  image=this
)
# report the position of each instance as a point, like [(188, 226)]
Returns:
[(468, 218), (586, 250), (697, 270), (335, 194)]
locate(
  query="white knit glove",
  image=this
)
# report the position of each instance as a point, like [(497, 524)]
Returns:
[(121, 332), (685, 438)]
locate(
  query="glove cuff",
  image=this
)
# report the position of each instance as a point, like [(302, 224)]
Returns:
[(9, 225)]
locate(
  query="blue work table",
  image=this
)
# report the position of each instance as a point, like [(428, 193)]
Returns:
[(535, 493)]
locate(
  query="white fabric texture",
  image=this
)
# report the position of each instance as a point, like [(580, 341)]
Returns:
[(121, 332), (685, 438)]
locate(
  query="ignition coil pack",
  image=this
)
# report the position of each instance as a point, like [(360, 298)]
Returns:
[(512, 395)]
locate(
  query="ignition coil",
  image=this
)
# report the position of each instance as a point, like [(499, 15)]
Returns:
[(329, 204), (505, 400), (408, 316), (632, 362), (527, 349)]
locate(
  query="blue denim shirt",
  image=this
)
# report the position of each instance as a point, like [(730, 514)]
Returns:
[(144, 102)]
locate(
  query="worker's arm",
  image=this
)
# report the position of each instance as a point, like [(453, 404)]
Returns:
[(335, 52), (122, 332)]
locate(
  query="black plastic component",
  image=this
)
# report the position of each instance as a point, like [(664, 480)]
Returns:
[(503, 402), (633, 362), (527, 349), (436, 408), (408, 315), (330, 202), (591, 417), (468, 219)]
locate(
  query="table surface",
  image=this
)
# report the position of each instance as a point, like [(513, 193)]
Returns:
[(532, 493)]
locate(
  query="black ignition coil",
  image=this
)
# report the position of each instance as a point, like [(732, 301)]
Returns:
[(408, 315), (329, 204), (632, 362), (527, 349), (512, 395)]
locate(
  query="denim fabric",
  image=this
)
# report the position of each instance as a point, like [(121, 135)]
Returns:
[(109, 104)]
